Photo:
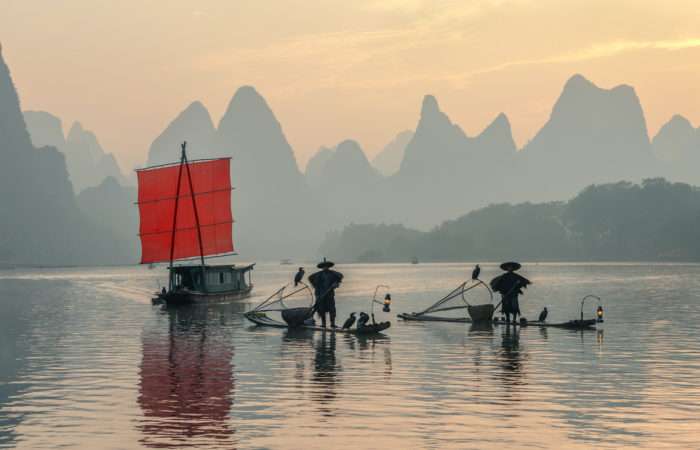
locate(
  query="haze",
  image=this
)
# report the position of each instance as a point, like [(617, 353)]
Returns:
[(335, 69)]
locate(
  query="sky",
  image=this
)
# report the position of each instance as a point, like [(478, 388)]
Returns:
[(333, 69)]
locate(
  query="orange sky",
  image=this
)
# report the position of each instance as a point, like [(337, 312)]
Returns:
[(339, 69)]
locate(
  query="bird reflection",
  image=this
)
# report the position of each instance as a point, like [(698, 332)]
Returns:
[(186, 380)]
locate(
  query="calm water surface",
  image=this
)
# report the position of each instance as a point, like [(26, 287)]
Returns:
[(87, 362)]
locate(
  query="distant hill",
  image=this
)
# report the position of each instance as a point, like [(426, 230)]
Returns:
[(593, 135), (652, 221), (112, 207), (445, 172), (388, 160), (193, 125), (316, 166), (88, 163), (275, 212), (42, 224), (345, 182), (677, 146)]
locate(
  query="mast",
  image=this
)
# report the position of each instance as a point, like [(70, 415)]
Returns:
[(194, 206), (183, 158)]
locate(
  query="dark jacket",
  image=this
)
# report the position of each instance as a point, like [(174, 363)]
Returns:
[(324, 283), (510, 285)]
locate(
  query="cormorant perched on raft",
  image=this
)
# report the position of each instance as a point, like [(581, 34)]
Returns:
[(348, 323), (299, 276), (476, 272), (364, 318), (543, 315)]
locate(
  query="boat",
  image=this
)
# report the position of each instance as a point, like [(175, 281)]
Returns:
[(574, 324), (276, 303), (285, 262), (571, 324), (261, 319), (185, 213)]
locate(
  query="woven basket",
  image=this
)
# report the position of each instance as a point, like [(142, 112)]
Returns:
[(481, 313), (295, 317)]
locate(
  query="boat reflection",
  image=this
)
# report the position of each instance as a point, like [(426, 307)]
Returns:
[(187, 380)]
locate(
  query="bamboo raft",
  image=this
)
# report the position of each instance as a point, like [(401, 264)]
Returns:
[(586, 324), (262, 319)]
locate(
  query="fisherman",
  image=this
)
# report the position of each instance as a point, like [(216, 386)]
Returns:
[(510, 286), (325, 281)]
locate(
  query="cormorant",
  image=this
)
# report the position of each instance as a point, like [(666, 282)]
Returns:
[(299, 276), (476, 272), (364, 318), (348, 323), (543, 315)]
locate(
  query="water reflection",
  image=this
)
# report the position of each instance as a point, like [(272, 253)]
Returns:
[(326, 372), (511, 358), (187, 379)]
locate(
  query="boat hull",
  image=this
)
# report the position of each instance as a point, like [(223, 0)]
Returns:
[(187, 297)]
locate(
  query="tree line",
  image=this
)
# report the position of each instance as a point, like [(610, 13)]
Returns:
[(652, 221)]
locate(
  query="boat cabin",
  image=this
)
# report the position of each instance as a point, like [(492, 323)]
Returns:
[(210, 279)]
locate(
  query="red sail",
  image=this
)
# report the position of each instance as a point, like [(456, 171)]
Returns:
[(211, 183)]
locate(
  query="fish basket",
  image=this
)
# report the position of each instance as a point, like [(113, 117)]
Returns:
[(481, 313), (295, 317)]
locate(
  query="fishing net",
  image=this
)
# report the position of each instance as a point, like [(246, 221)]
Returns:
[(470, 301), (295, 317), (283, 301)]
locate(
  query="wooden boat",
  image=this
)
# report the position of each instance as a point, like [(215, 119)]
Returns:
[(220, 283), (262, 319), (185, 213)]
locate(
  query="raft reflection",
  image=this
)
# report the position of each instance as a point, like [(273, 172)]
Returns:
[(186, 379)]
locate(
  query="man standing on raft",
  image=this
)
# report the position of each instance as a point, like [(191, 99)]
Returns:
[(325, 281), (510, 285)]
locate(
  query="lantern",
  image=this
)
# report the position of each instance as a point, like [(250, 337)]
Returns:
[(387, 303)]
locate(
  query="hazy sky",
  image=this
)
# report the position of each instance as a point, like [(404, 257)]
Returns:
[(343, 69)]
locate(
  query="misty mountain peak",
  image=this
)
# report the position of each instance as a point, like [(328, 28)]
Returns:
[(351, 149), (85, 138), (388, 160), (195, 111), (430, 106), (12, 127), (498, 137), (679, 143), (316, 166), (678, 121), (500, 125), (250, 132), (194, 125), (578, 82), (246, 101), (45, 129)]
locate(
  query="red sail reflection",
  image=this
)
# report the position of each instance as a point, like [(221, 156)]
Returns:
[(187, 383)]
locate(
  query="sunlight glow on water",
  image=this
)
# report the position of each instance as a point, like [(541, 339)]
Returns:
[(87, 362)]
